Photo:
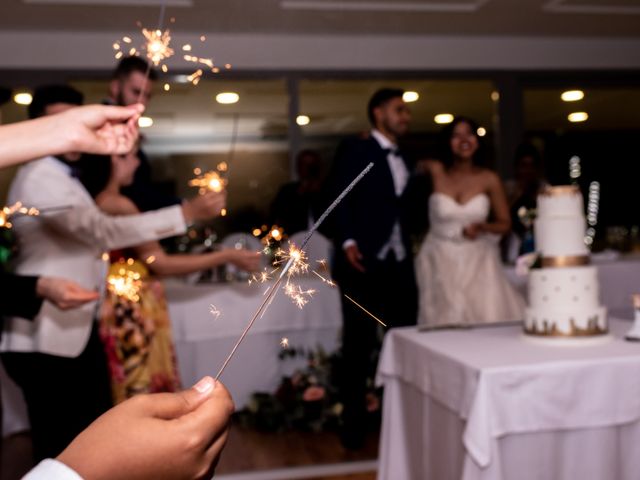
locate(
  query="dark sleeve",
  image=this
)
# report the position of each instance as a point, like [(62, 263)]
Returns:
[(345, 169), (18, 296)]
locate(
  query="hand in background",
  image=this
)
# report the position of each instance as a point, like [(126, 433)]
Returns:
[(472, 231), (64, 293), (244, 259), (354, 257), (204, 207), (162, 435), (101, 129)]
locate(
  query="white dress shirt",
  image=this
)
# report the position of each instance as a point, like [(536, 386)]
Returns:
[(50, 469)]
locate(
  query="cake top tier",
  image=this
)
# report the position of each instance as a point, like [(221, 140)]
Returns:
[(560, 201)]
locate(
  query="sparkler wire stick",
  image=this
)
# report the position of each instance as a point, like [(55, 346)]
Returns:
[(146, 75), (271, 292)]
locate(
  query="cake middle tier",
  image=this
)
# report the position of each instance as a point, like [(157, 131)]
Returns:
[(564, 288), (557, 236)]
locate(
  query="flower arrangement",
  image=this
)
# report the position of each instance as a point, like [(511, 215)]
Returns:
[(307, 400)]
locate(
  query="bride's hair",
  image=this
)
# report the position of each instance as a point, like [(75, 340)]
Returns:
[(94, 172), (446, 154)]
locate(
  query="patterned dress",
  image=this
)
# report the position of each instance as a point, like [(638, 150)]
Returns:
[(136, 331)]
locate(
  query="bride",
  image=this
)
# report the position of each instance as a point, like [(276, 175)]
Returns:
[(458, 269)]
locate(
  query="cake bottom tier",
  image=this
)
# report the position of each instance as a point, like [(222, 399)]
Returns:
[(577, 322)]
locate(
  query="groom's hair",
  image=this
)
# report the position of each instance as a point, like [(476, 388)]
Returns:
[(379, 98)]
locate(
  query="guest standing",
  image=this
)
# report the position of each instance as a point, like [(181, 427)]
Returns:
[(132, 82), (374, 264), (458, 268), (137, 334), (299, 204)]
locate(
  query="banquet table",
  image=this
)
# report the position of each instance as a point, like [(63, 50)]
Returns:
[(490, 403), (203, 340)]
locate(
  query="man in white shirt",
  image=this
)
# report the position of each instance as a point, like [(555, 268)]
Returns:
[(374, 264), (57, 359)]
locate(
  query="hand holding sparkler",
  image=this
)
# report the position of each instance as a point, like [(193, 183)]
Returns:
[(243, 259), (101, 129), (204, 207)]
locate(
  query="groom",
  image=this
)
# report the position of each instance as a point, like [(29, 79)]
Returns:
[(374, 264)]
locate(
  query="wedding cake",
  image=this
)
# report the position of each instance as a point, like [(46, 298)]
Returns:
[(563, 294)]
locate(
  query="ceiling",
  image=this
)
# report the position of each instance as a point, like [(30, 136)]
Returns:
[(612, 18)]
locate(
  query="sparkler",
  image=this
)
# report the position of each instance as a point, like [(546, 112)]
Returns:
[(13, 210), (19, 210), (267, 301), (284, 343), (157, 48), (126, 282), (213, 310), (208, 181)]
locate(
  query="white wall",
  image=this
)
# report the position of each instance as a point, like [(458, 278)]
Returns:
[(89, 50)]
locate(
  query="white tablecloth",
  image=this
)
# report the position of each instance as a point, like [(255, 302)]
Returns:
[(203, 341), (489, 404)]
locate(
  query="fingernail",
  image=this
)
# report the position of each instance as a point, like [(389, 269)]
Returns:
[(205, 385)]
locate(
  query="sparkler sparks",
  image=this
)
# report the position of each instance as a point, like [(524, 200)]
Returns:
[(365, 310), (125, 283), (157, 48), (267, 300), (15, 210), (284, 343), (209, 181)]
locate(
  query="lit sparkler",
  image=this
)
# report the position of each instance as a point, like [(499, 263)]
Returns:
[(283, 273), (14, 210), (210, 181), (125, 282), (157, 48), (284, 343)]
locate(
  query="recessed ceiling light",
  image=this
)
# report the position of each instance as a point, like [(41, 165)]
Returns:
[(443, 118), (227, 98), (23, 98), (410, 96), (481, 131), (576, 117), (572, 95), (303, 120), (145, 122)]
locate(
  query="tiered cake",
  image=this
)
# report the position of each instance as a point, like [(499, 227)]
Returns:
[(563, 294)]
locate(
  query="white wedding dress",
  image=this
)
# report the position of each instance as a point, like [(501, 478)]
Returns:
[(461, 281)]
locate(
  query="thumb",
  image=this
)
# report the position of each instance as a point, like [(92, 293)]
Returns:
[(173, 405)]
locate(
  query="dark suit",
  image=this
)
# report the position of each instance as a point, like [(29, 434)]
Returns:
[(18, 296), (387, 288)]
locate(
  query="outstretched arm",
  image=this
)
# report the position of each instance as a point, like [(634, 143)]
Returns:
[(101, 129)]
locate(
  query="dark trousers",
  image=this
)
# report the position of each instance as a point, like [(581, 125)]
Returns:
[(63, 395), (388, 290)]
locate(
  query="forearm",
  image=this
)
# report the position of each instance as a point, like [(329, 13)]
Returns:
[(499, 227), (24, 141), (185, 264)]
